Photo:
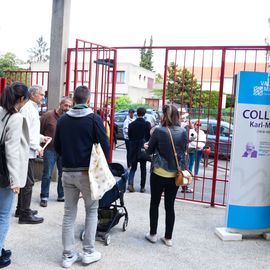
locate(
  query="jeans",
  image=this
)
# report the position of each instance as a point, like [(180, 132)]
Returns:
[(127, 156), (75, 183), (133, 170), (159, 184), (191, 159), (49, 159), (6, 198)]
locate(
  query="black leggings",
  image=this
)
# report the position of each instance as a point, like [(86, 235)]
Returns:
[(158, 185)]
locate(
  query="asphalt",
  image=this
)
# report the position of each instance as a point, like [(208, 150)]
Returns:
[(195, 245)]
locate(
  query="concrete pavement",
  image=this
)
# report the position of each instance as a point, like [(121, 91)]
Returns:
[(195, 246)]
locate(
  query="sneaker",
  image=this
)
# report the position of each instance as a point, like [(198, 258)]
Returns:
[(88, 258), (131, 188), (60, 199), (188, 190), (69, 259), (43, 203), (151, 238), (167, 242)]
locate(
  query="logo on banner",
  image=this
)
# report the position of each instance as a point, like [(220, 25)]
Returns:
[(263, 89)]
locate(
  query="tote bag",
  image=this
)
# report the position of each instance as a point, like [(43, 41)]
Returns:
[(100, 177)]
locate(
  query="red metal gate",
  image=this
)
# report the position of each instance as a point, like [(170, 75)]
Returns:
[(94, 65), (210, 69)]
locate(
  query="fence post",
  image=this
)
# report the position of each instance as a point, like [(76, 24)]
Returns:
[(221, 84)]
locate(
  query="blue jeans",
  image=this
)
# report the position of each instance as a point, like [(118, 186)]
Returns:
[(6, 198), (49, 159), (191, 159)]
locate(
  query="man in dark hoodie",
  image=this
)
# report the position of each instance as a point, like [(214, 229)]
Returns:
[(76, 132)]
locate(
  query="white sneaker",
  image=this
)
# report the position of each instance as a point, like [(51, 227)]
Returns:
[(167, 242), (151, 237), (88, 258), (68, 260)]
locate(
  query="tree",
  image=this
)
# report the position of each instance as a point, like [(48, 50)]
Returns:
[(8, 62), (182, 87), (122, 102), (146, 56), (40, 53)]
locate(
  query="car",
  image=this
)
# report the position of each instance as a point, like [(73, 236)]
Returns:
[(151, 116), (209, 126)]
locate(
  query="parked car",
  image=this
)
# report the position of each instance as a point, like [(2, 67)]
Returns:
[(209, 126), (151, 116)]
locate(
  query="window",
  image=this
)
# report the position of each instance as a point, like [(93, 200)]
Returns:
[(120, 77)]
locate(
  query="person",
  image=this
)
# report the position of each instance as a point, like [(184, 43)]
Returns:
[(183, 114), (187, 124), (30, 112), (76, 132), (164, 169), (196, 146), (250, 151), (138, 134), (16, 140), (129, 119), (47, 127)]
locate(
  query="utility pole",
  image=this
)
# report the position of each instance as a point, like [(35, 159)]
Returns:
[(58, 50)]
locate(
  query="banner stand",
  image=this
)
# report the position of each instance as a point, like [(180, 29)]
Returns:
[(248, 207), (226, 234)]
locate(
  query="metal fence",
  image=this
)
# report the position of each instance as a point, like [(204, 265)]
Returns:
[(199, 79)]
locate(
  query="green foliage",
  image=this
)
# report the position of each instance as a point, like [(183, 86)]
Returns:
[(230, 100), (147, 56), (184, 85), (125, 103), (122, 103), (40, 53), (8, 61)]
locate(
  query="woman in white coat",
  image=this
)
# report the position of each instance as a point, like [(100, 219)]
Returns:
[(16, 139)]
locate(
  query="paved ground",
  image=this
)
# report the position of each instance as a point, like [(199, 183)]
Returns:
[(195, 246)]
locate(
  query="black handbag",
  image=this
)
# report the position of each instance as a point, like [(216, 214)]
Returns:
[(4, 173), (143, 156)]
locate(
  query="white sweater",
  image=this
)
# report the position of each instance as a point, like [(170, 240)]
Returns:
[(199, 139)]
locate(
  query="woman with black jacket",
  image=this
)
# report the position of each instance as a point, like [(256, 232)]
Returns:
[(164, 169)]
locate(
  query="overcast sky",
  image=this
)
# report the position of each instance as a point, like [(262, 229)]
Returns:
[(128, 23)]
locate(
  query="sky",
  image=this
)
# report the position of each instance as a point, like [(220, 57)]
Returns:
[(129, 23)]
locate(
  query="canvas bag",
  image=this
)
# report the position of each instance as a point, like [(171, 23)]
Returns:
[(4, 173), (183, 177), (101, 178)]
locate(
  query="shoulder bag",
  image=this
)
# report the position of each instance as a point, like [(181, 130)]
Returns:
[(100, 177), (182, 177), (4, 173)]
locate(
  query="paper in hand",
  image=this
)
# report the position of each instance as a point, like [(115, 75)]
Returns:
[(46, 144)]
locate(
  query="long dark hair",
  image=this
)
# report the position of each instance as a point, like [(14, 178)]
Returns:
[(12, 94), (170, 116)]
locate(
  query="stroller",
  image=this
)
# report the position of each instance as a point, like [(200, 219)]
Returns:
[(109, 212)]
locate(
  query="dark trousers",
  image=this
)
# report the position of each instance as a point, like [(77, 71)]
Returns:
[(159, 184), (25, 195), (133, 170), (127, 156)]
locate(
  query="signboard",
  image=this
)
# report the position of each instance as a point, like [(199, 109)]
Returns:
[(249, 194)]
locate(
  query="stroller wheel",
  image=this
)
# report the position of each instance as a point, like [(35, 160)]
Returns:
[(125, 223), (107, 239), (82, 234)]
